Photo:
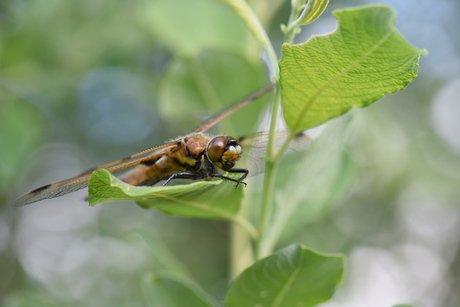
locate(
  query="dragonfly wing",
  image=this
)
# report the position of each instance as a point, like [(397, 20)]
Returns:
[(232, 109), (52, 190), (81, 181), (128, 161), (255, 148)]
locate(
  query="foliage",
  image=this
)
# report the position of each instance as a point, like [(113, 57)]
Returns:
[(315, 82), (364, 59), (293, 276)]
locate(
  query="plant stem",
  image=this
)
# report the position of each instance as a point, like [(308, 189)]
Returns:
[(262, 244), (246, 225), (241, 253), (254, 25), (269, 179), (289, 30)]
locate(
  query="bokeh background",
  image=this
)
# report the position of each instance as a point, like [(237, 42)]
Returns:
[(86, 82)]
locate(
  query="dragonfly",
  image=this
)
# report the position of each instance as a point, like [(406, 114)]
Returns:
[(196, 156)]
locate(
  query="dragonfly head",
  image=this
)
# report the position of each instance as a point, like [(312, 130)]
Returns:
[(223, 152)]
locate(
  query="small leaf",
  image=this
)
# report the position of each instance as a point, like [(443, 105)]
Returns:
[(168, 290), (294, 276), (203, 199), (312, 11), (364, 59)]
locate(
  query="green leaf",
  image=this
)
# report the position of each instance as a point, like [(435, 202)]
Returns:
[(312, 11), (294, 276), (203, 199), (364, 59), (171, 290), (190, 26)]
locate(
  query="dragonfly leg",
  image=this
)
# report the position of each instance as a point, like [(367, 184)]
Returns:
[(187, 175), (244, 171), (182, 175)]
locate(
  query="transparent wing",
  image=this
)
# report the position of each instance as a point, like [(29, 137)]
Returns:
[(81, 181), (255, 148), (232, 109)]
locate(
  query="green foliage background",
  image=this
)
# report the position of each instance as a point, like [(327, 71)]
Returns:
[(86, 82)]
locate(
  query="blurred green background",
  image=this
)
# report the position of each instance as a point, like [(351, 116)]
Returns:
[(86, 82)]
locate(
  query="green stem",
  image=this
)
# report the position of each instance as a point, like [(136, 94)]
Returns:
[(263, 246), (269, 179), (254, 25), (290, 32), (246, 225), (290, 29)]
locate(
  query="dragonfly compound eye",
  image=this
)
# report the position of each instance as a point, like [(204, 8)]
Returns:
[(224, 151)]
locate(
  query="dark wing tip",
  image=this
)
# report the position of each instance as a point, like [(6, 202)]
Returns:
[(29, 197), (37, 190)]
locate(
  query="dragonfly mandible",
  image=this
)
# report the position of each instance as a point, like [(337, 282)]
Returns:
[(194, 156)]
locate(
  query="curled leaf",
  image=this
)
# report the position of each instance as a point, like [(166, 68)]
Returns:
[(312, 11), (203, 199)]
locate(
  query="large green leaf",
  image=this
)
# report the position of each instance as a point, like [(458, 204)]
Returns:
[(204, 199), (364, 59), (294, 276), (172, 290), (189, 26)]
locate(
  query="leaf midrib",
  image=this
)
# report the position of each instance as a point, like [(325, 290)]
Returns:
[(282, 293)]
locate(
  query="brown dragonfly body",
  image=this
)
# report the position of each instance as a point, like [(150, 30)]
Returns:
[(190, 158), (195, 156)]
